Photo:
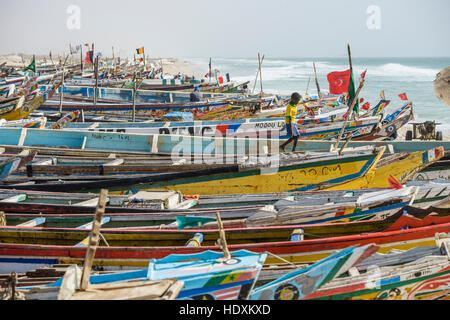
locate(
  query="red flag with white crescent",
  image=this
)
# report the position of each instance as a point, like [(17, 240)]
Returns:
[(403, 96), (339, 81)]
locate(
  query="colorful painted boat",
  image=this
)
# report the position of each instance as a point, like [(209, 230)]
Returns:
[(204, 275), (38, 123), (37, 213), (401, 167), (186, 145), (267, 128), (427, 278), (33, 231), (298, 284), (316, 172), (10, 164), (118, 290), (24, 257), (31, 103)]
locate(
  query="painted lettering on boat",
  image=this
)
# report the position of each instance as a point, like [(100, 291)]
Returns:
[(108, 137), (190, 131), (325, 171), (264, 125)]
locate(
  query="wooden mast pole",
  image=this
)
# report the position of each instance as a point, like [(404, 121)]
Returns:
[(81, 59), (260, 74), (93, 239), (61, 95), (307, 86), (96, 80), (317, 81), (352, 103), (223, 240), (257, 72)]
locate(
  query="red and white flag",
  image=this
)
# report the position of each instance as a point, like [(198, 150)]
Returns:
[(339, 81), (403, 96), (363, 75)]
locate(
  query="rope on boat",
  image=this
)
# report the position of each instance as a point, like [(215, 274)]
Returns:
[(282, 259), (104, 239)]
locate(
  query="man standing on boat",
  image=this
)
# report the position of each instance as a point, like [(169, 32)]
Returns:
[(196, 95), (289, 119)]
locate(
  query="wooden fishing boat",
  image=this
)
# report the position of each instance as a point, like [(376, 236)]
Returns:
[(145, 216), (427, 278), (293, 285), (7, 105), (298, 284), (205, 275), (24, 257), (30, 103), (26, 233), (124, 290), (10, 164), (54, 168), (400, 166), (275, 271), (186, 145), (25, 123), (143, 206), (316, 171), (438, 170), (390, 125), (121, 95), (267, 128)]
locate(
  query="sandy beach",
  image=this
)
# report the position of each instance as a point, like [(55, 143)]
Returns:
[(171, 66)]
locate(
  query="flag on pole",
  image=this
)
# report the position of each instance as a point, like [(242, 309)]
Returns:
[(210, 67), (339, 81), (352, 92), (363, 75), (365, 106), (89, 56), (140, 50), (31, 66), (403, 96)]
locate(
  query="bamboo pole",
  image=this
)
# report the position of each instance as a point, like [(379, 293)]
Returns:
[(61, 95), (317, 81), (349, 113), (260, 75), (134, 98), (114, 60), (81, 59), (96, 80), (307, 86), (93, 239), (257, 73), (223, 240)]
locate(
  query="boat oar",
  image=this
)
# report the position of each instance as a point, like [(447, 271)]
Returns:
[(223, 240)]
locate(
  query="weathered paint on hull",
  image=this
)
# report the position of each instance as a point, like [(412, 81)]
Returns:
[(302, 177), (18, 256), (426, 287), (402, 170)]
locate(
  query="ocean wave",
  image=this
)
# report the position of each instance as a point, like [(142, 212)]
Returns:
[(403, 71)]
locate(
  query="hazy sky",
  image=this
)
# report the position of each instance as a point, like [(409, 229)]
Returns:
[(231, 28)]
